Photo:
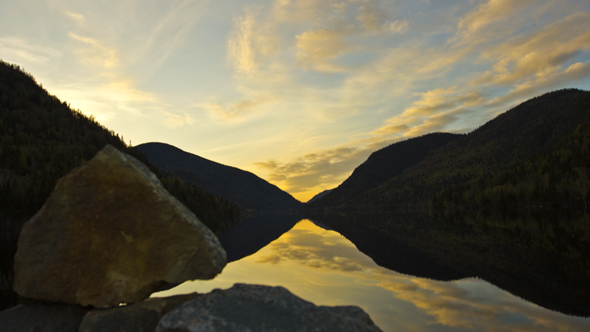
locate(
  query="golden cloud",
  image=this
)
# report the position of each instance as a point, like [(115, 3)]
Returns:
[(237, 111), (78, 18), (251, 44), (316, 49), (319, 250), (95, 53), (541, 54), (434, 111), (474, 27)]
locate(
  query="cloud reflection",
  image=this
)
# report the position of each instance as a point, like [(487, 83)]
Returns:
[(470, 304)]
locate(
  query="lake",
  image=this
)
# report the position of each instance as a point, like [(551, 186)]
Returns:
[(322, 266)]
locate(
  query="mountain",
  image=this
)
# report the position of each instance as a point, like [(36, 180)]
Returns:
[(383, 165), (320, 195), (41, 140), (538, 127), (241, 187)]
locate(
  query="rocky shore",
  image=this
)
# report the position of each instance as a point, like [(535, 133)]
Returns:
[(110, 235)]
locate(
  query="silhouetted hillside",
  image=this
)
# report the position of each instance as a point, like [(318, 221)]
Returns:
[(320, 195), (539, 127), (381, 166), (41, 140), (241, 187)]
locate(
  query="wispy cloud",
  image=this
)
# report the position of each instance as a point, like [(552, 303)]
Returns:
[(316, 49), (15, 49), (95, 53), (238, 111), (78, 18), (251, 44)]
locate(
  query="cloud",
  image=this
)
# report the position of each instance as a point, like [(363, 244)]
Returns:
[(175, 120), (475, 26), (397, 27), (95, 53), (369, 16), (533, 87), (78, 18), (434, 111), (251, 44), (238, 111), (316, 48), (322, 169), (326, 250), (540, 54), (20, 50)]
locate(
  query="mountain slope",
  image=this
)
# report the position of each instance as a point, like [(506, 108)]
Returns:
[(382, 165), (41, 140), (519, 135), (241, 187), (318, 196)]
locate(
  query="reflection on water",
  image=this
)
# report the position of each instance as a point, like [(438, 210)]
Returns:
[(322, 266)]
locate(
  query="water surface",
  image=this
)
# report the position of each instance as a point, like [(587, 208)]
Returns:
[(325, 268)]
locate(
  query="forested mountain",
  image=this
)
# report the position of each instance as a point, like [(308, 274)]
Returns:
[(541, 141), (320, 195), (241, 187), (42, 139), (381, 166)]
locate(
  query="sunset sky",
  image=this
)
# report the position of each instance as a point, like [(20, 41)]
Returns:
[(297, 92)]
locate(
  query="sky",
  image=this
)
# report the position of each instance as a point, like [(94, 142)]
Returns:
[(297, 92)]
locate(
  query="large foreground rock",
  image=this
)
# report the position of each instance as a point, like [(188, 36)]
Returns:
[(261, 308), (110, 233)]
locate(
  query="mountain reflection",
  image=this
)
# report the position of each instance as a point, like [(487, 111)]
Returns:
[(309, 246), (324, 267)]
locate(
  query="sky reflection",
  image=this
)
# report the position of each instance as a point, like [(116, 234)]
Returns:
[(323, 267)]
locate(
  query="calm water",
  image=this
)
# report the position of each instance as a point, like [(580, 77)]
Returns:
[(325, 268)]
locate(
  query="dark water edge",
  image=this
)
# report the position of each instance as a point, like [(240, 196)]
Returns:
[(10, 229), (544, 261), (248, 236), (255, 232)]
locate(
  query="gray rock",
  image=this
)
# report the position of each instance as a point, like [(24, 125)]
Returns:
[(110, 233), (261, 308), (42, 318), (138, 317)]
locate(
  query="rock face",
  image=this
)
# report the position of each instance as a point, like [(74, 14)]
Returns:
[(110, 233), (261, 308)]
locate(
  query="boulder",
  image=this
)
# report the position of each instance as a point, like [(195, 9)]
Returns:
[(142, 316), (109, 234), (42, 318), (261, 308)]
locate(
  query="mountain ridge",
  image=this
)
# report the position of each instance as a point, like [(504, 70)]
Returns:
[(516, 136), (239, 186)]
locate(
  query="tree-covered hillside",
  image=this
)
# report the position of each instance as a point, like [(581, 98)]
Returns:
[(239, 186), (538, 132), (381, 166), (42, 139)]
